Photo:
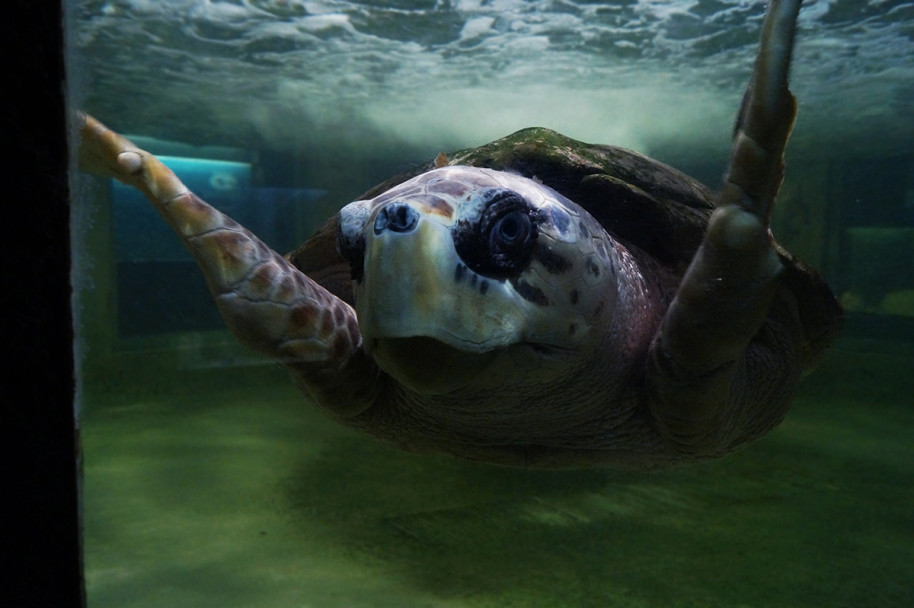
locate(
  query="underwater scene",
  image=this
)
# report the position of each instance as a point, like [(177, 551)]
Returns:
[(209, 479)]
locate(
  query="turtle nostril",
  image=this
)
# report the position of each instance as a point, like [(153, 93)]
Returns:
[(397, 217)]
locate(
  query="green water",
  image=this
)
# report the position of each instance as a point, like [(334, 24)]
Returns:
[(210, 481), (215, 489)]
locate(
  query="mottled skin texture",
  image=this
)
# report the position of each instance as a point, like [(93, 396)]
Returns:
[(647, 323)]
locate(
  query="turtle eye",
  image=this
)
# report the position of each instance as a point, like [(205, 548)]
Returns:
[(500, 244), (510, 232)]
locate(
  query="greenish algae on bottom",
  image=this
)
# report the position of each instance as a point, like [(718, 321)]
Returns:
[(211, 492)]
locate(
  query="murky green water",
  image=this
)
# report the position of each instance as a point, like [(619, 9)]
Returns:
[(210, 481), (207, 491)]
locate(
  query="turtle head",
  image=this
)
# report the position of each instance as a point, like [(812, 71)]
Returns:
[(462, 271)]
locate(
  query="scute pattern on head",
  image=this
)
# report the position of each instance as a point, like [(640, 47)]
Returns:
[(498, 271), (639, 200)]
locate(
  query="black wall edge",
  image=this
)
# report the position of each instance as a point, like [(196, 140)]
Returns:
[(40, 495)]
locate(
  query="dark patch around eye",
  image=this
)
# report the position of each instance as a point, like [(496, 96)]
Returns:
[(499, 243)]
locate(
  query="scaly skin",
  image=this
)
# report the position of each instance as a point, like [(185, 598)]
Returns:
[(267, 303), (702, 353)]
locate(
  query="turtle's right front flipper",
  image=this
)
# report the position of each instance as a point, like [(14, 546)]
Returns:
[(267, 303), (713, 342)]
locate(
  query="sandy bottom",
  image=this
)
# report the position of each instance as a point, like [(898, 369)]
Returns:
[(204, 491)]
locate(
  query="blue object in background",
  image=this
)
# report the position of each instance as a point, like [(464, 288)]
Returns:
[(159, 287), (139, 232)]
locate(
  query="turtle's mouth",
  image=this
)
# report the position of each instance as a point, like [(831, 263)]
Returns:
[(427, 365)]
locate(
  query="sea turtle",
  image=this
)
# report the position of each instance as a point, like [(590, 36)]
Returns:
[(535, 302)]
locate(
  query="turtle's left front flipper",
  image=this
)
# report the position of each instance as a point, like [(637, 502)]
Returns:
[(720, 375), (267, 303)]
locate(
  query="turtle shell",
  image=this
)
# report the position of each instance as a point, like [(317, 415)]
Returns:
[(651, 207), (637, 199)]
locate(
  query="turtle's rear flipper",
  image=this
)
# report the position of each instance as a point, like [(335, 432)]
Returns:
[(268, 304), (718, 373)]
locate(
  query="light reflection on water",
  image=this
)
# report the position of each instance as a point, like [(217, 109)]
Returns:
[(453, 73)]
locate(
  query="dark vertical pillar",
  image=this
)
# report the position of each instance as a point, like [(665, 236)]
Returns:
[(39, 496)]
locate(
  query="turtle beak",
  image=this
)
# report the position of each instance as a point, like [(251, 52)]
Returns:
[(418, 321)]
